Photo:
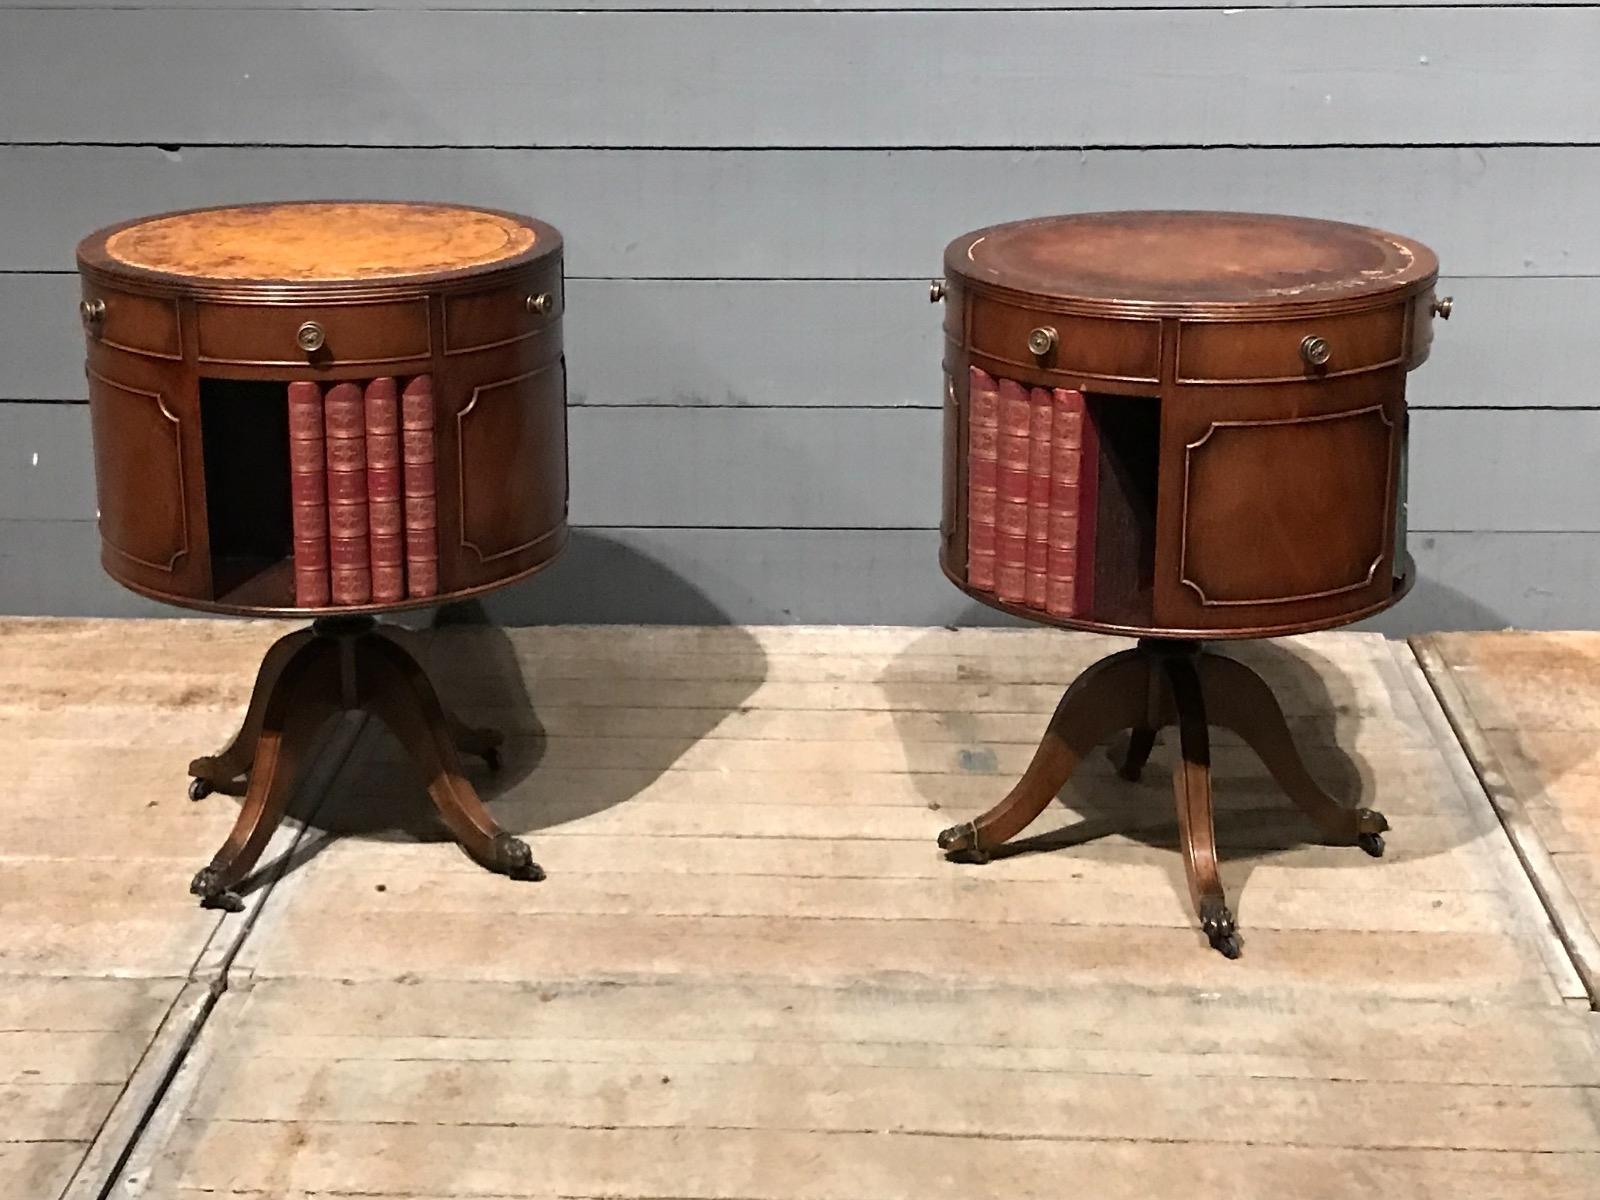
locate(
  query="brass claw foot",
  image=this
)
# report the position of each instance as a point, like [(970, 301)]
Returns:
[(514, 858), (960, 843), (1372, 826), (1216, 922), (208, 885)]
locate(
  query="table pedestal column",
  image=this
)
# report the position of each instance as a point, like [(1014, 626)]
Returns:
[(340, 664), (1165, 682)]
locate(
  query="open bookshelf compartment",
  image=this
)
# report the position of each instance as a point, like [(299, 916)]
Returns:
[(1128, 431), (244, 429)]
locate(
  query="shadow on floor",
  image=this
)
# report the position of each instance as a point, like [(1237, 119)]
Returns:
[(592, 715), (1255, 821)]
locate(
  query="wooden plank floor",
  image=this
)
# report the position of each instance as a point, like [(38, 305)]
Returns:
[(106, 963), (750, 975), (1528, 709)]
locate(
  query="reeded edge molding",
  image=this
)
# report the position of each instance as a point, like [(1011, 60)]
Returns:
[(1183, 542), (1045, 302), (170, 566), (200, 604), (1209, 633)]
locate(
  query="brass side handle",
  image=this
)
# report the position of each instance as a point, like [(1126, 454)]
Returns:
[(1315, 350), (541, 305), (310, 337), (92, 313), (935, 291), (1042, 340), (1442, 307)]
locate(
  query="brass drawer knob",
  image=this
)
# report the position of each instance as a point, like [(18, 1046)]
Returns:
[(541, 305), (92, 312), (935, 291), (1442, 307), (310, 337), (1042, 340), (1315, 350)]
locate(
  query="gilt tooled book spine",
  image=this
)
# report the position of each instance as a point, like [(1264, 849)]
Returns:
[(418, 485), (344, 420), (983, 448), (1011, 494), (1040, 420), (308, 493), (1074, 458), (385, 541)]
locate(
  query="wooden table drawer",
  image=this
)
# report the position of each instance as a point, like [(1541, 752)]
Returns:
[(344, 334), (145, 325), (1268, 351), (481, 320), (1110, 348)]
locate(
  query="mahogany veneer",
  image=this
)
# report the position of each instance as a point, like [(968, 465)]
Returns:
[(217, 302), (1245, 376)]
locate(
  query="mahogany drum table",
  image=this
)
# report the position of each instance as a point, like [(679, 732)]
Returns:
[(329, 410), (1179, 426)]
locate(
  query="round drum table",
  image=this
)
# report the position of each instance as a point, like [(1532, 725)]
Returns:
[(331, 410), (1179, 426)]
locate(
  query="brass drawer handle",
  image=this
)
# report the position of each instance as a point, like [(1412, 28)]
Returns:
[(1042, 340), (1315, 350), (1442, 307), (93, 313), (310, 337), (541, 305), (935, 291)]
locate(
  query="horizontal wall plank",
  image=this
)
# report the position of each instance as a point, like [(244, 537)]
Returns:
[(865, 468), (474, 78), (831, 214), (759, 576), (863, 343), (712, 5)]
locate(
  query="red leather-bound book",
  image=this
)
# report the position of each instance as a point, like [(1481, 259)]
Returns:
[(385, 551), (344, 423), (983, 448), (308, 494), (1040, 416), (1011, 509), (1074, 461), (418, 486)]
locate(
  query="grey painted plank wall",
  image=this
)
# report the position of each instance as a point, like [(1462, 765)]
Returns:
[(865, 343), (1135, 77), (860, 214), (712, 576), (756, 197), (864, 468), (712, 5)]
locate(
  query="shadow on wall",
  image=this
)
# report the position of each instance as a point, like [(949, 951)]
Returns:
[(1433, 606), (592, 716), (987, 721)]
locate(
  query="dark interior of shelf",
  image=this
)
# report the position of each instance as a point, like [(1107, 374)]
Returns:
[(244, 429), (1128, 430)]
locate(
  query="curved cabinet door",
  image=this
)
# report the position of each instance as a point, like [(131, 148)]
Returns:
[(503, 455), (144, 422), (1278, 503)]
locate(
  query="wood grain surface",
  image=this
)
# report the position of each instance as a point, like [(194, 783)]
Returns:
[(319, 241), (1528, 708), (748, 973)]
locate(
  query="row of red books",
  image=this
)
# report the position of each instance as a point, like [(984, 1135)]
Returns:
[(362, 481), (1031, 471)]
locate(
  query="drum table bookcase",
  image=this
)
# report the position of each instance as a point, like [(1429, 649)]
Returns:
[(1179, 427), (329, 410)]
